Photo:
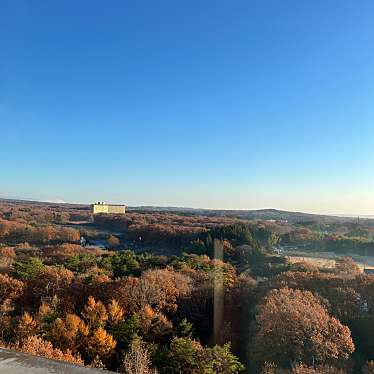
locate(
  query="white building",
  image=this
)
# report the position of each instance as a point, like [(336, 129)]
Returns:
[(101, 207)]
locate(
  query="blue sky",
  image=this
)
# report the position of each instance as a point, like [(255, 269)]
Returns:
[(219, 104)]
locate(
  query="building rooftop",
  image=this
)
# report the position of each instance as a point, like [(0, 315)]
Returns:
[(103, 203)]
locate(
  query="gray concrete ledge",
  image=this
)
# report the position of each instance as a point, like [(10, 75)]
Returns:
[(13, 362)]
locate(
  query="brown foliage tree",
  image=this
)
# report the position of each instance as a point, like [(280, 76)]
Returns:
[(153, 324), (293, 326), (113, 241), (325, 369), (159, 288), (7, 256), (50, 281), (343, 294), (269, 368), (347, 266), (6, 325), (368, 368), (10, 288)]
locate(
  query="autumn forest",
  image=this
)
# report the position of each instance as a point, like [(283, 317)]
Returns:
[(185, 292)]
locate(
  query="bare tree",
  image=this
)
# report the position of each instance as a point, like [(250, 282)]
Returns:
[(137, 359)]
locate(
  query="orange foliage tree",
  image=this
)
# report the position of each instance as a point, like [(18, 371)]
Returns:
[(39, 347), (27, 326), (10, 288), (69, 332)]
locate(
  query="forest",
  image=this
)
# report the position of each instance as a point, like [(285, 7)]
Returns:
[(180, 292)]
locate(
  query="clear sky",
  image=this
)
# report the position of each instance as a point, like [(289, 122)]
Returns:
[(200, 103)]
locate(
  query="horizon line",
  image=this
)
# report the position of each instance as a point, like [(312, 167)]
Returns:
[(59, 202)]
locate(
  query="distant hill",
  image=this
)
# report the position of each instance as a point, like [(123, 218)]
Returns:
[(259, 214)]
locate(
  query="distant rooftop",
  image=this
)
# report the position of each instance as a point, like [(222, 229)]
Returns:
[(104, 203)]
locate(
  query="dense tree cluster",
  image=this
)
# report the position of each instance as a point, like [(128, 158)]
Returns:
[(15, 232), (358, 241)]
